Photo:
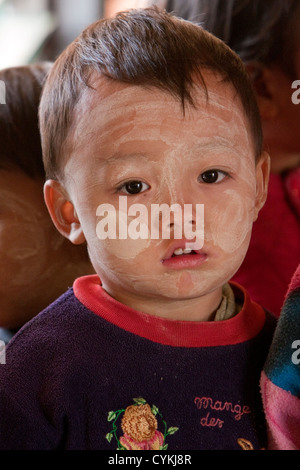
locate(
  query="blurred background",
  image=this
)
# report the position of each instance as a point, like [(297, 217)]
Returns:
[(32, 30)]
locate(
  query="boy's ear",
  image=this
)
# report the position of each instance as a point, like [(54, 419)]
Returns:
[(264, 83), (262, 181), (62, 212)]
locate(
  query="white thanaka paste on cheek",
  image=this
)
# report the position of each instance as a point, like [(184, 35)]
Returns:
[(231, 227), (129, 247)]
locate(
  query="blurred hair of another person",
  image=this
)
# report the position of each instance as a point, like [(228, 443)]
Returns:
[(37, 263), (266, 35), (111, 7)]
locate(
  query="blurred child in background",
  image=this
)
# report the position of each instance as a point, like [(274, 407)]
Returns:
[(280, 380), (37, 263)]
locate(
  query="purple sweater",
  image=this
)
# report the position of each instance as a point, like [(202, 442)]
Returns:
[(90, 373)]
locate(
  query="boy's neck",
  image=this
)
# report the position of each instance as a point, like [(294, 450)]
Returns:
[(198, 309)]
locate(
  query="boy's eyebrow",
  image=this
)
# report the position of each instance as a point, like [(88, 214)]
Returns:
[(206, 144), (215, 142)]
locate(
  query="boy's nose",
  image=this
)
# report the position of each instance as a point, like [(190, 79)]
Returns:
[(183, 214), (178, 221), (177, 193)]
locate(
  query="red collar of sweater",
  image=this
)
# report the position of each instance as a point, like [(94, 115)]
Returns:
[(242, 327)]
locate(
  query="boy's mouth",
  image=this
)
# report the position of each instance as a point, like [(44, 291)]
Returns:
[(184, 251), (179, 256)]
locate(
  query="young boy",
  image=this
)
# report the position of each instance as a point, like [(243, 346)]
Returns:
[(156, 350), (37, 263)]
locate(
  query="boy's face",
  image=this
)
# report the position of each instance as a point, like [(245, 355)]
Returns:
[(136, 143)]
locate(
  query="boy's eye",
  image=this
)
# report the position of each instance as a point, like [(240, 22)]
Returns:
[(212, 176), (133, 187)]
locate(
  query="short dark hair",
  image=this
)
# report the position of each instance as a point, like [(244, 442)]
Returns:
[(145, 47), (20, 142), (257, 30)]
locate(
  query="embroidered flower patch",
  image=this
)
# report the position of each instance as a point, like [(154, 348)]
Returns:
[(139, 427)]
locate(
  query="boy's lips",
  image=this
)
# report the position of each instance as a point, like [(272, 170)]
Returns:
[(178, 257)]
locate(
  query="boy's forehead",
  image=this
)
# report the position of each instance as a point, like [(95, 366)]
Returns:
[(103, 89), (108, 98), (110, 104), (117, 122)]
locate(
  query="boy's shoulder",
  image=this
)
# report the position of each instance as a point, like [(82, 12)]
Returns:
[(56, 327), (67, 311), (244, 299), (57, 314)]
